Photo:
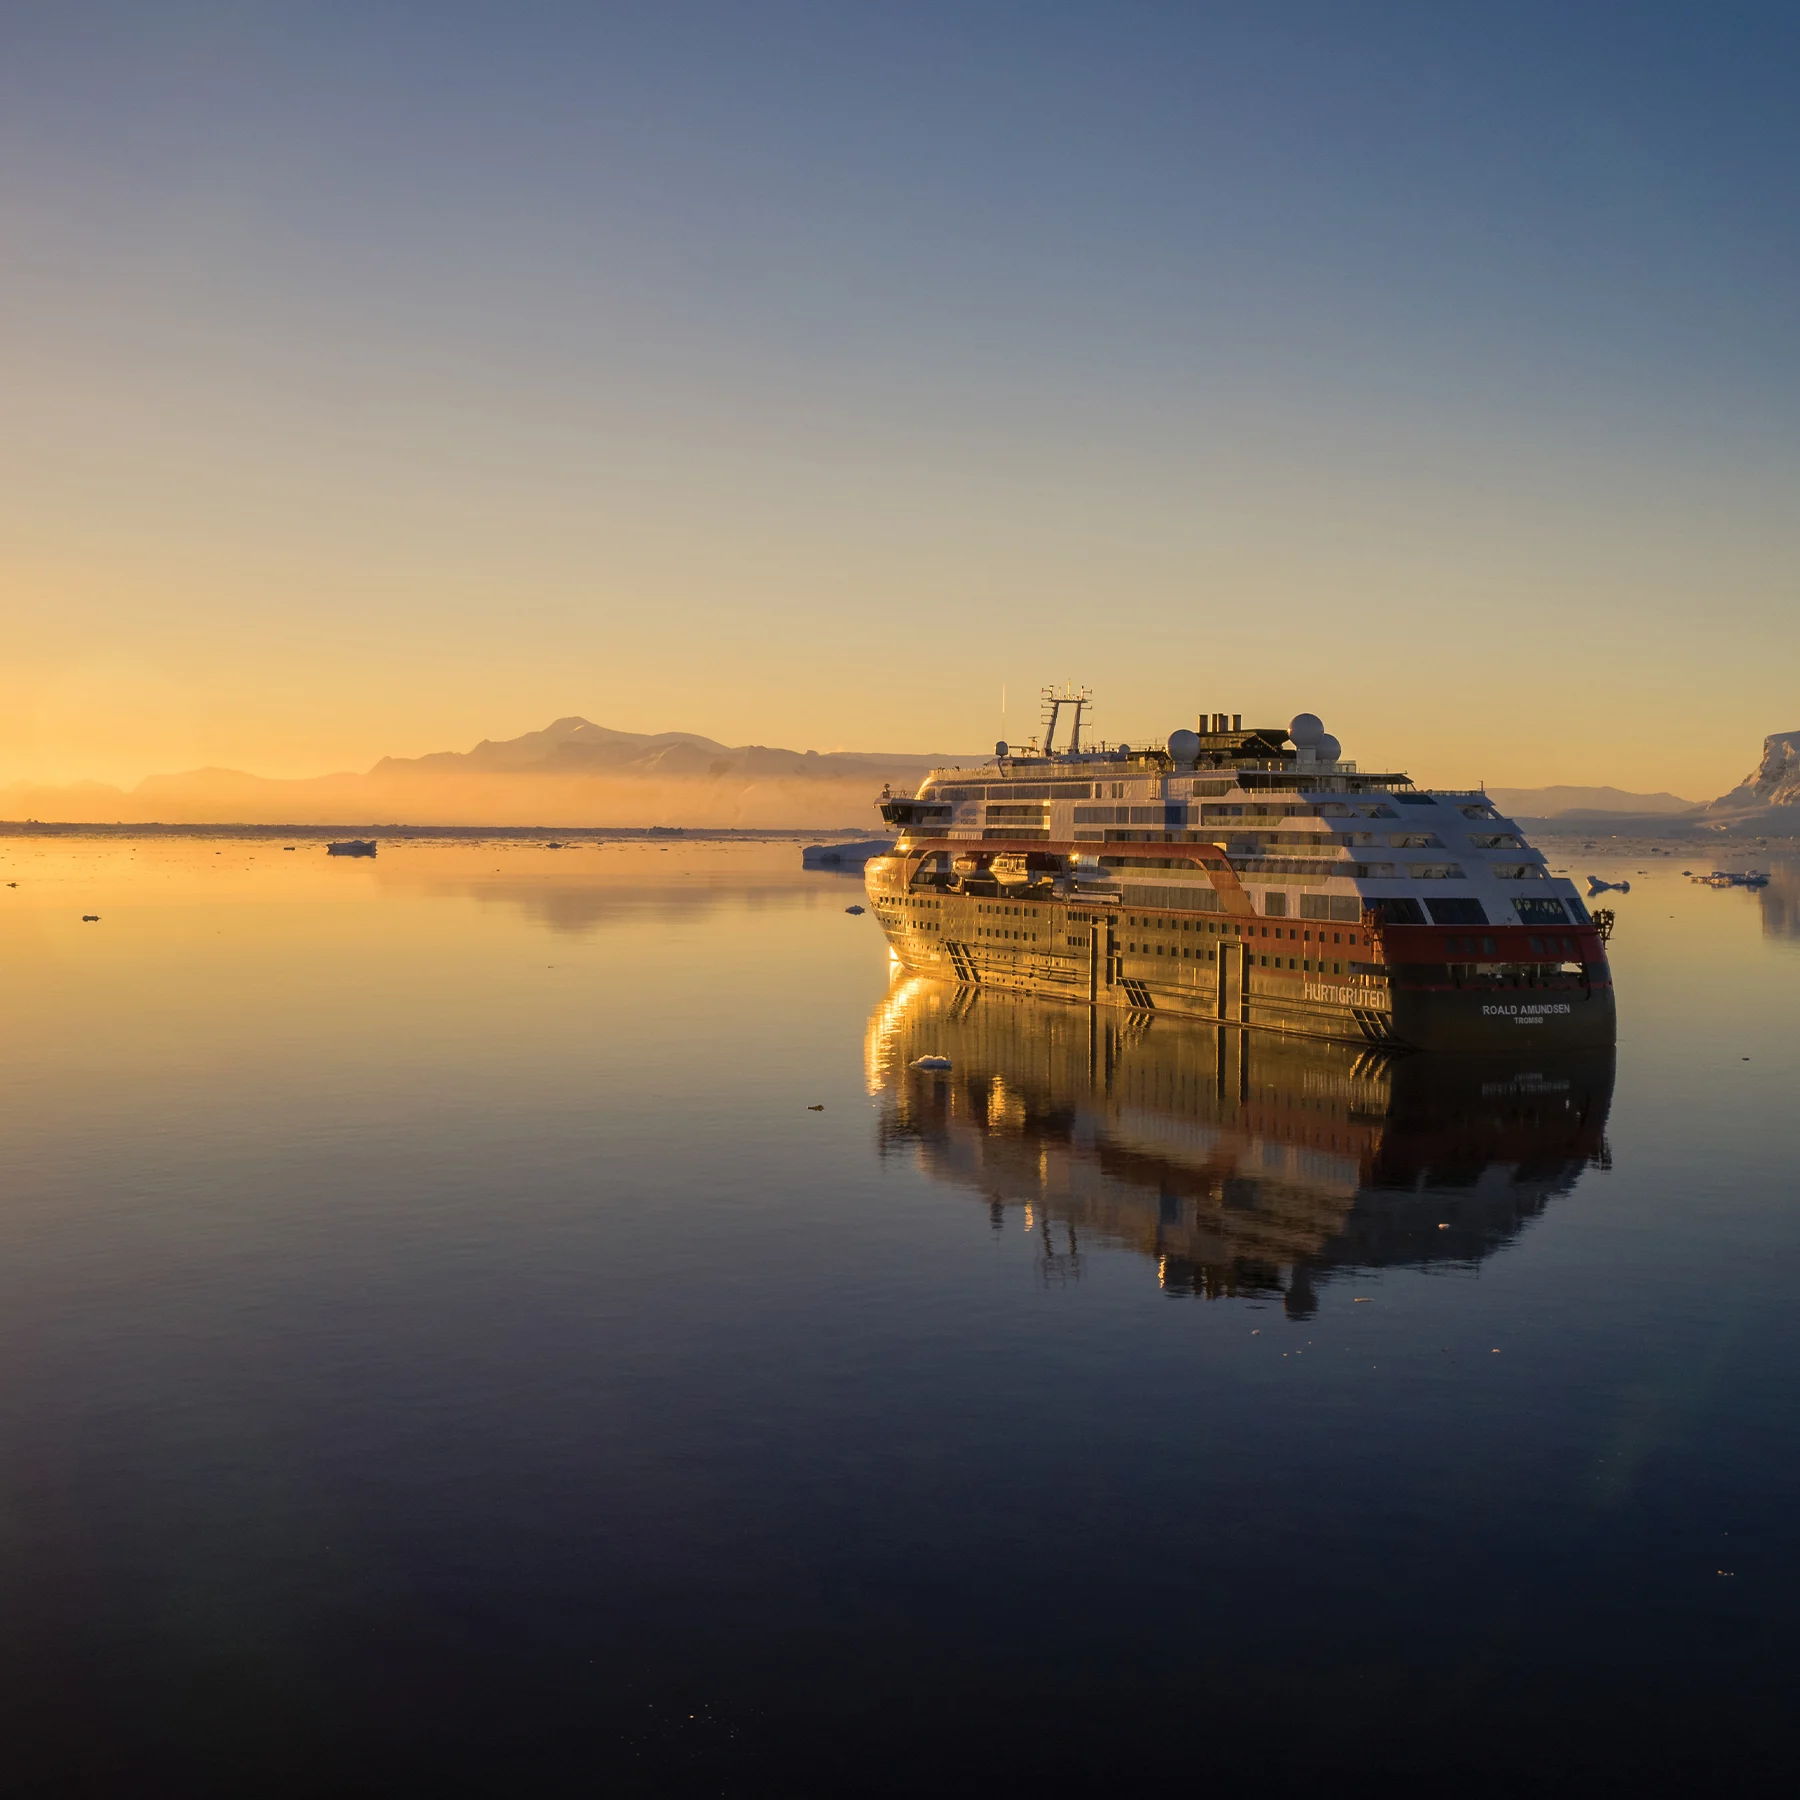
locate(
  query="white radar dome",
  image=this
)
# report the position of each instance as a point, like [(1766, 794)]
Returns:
[(1329, 749), (1306, 730), (1184, 746)]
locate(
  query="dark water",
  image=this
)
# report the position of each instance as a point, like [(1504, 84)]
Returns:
[(440, 1350)]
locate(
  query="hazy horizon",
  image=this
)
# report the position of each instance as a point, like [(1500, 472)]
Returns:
[(611, 779)]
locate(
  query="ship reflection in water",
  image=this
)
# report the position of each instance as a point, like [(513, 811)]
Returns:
[(1780, 903), (1246, 1164)]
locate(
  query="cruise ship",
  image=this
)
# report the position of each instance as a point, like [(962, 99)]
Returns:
[(1250, 876)]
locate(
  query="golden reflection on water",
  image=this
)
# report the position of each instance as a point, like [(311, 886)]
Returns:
[(1243, 1163), (234, 979)]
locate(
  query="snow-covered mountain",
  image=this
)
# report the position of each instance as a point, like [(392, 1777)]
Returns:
[(1775, 781)]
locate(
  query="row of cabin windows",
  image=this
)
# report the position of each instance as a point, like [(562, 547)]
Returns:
[(1201, 790), (1291, 931), (900, 919), (1306, 964), (1540, 946)]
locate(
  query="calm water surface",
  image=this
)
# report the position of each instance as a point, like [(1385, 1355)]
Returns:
[(442, 1347)]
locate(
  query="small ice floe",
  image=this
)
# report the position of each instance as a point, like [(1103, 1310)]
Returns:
[(852, 909), (90, 918), (931, 1062), (1597, 886)]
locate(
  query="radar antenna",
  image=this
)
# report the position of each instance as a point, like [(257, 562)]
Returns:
[(1055, 699)]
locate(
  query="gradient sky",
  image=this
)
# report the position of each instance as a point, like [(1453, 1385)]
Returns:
[(382, 377)]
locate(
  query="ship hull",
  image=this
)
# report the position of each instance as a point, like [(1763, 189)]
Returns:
[(1454, 1023), (1211, 969), (1526, 1020)]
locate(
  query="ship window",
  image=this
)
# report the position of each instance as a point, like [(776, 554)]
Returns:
[(1457, 912), (1337, 968), (1540, 912)]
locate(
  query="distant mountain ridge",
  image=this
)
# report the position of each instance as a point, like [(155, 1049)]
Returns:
[(1766, 801), (573, 772), (1553, 802), (577, 746)]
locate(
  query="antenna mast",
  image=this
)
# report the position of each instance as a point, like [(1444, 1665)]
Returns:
[(1055, 699)]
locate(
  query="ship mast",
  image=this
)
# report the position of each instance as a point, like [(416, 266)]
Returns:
[(1055, 699)]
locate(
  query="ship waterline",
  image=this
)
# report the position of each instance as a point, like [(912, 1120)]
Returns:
[(1251, 878)]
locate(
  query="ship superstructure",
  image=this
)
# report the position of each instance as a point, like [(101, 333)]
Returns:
[(1247, 875)]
